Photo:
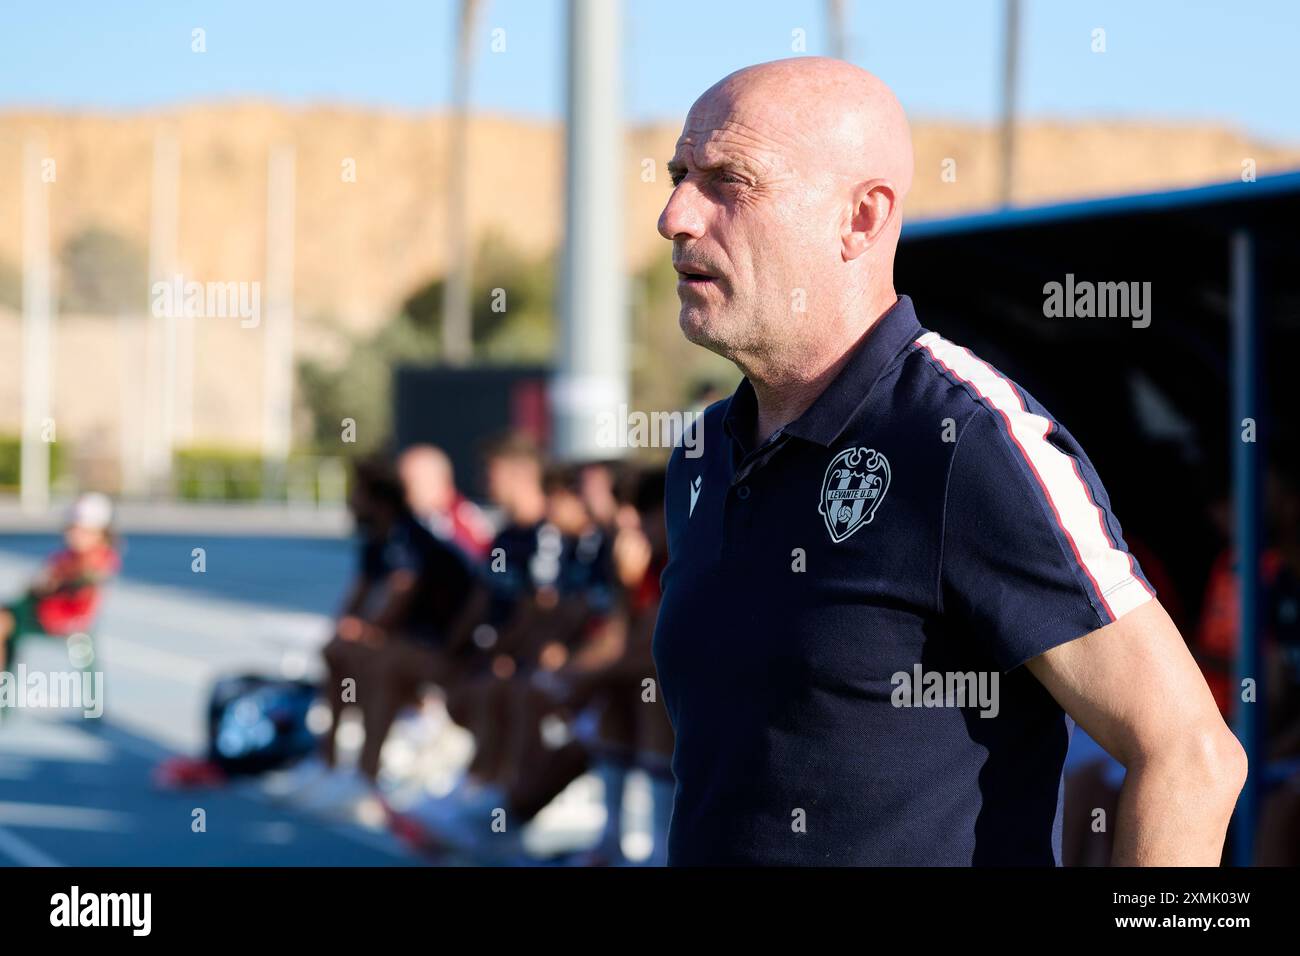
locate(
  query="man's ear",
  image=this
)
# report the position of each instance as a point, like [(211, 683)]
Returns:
[(873, 205)]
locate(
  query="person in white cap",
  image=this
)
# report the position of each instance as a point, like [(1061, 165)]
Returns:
[(65, 597)]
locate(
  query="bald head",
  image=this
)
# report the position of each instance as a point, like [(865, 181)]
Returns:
[(789, 179), (426, 475), (851, 121)]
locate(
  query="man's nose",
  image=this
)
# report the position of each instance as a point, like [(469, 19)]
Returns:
[(681, 218)]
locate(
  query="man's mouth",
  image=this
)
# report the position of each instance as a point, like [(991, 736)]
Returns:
[(688, 277)]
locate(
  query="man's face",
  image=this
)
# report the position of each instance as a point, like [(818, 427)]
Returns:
[(500, 482), (81, 539), (428, 483), (510, 477), (566, 511), (752, 227)]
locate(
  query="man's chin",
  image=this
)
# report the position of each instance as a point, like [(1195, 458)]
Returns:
[(705, 331), (697, 326)]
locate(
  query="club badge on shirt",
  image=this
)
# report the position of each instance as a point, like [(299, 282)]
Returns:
[(855, 484)]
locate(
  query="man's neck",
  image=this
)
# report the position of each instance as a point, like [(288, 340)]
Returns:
[(783, 394)]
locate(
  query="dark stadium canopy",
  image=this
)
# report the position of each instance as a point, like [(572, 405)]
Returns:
[(981, 279), (1158, 408)]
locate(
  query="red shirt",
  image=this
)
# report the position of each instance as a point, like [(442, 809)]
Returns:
[(77, 578), (647, 593), (464, 525), (1216, 638)]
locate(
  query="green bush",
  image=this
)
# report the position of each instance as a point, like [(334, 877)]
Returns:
[(11, 461), (221, 474), (231, 474)]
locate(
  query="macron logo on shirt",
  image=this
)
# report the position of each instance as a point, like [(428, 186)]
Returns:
[(695, 493)]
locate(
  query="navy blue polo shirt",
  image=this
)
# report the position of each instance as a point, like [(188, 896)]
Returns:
[(846, 609)]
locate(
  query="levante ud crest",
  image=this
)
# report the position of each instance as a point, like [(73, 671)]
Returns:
[(855, 484)]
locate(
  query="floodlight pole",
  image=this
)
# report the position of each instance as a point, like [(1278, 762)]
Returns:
[(835, 17), (37, 321), (457, 327), (169, 378), (592, 375), (1010, 68), (277, 331), (1248, 511)]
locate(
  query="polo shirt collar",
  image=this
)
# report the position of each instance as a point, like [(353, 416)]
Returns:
[(835, 407)]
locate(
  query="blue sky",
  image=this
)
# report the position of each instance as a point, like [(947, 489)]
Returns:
[(1225, 61)]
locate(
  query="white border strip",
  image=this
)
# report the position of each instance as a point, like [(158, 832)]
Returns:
[(1109, 569), (22, 852)]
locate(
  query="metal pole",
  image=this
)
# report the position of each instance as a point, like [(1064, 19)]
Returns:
[(457, 334), (1248, 509), (35, 467), (1010, 66), (133, 342), (162, 268), (277, 350), (592, 376), (154, 378), (835, 16)]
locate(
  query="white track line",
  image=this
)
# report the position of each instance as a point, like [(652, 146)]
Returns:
[(22, 852), (56, 817)]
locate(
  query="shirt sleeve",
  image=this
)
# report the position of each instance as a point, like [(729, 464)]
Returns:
[(401, 552), (1032, 555), (370, 559)]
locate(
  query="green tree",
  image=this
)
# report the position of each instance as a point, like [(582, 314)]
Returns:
[(11, 286), (361, 387), (512, 301), (102, 272)]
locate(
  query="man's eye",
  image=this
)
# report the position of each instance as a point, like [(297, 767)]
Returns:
[(730, 180)]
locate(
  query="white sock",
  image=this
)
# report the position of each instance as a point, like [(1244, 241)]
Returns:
[(661, 794), (612, 776)]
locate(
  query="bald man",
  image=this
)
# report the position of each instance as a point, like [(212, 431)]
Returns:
[(430, 484), (895, 582)]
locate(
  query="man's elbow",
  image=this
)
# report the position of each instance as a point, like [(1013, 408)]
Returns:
[(1218, 763)]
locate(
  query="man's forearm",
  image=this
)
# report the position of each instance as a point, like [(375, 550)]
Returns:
[(1174, 808)]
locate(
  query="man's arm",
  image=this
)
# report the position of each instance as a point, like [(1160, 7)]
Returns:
[(399, 592), (356, 597), (1135, 689), (460, 633)]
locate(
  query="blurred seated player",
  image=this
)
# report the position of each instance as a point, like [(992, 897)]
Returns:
[(598, 482), (564, 623), (412, 592), (513, 467), (568, 623), (430, 484), (608, 684), (565, 595), (65, 597), (612, 688), (573, 582), (1278, 840)]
